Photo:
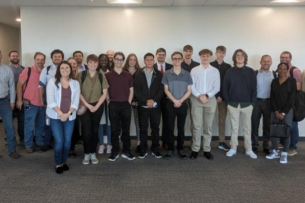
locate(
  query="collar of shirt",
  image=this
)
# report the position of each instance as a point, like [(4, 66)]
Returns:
[(151, 72), (260, 71), (173, 72), (81, 68), (11, 65), (240, 68), (159, 66), (201, 66)]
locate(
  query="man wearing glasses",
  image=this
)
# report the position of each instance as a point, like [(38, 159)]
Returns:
[(239, 92), (206, 83), (120, 97), (177, 86)]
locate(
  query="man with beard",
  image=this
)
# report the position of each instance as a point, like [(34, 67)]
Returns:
[(17, 69), (110, 54), (79, 56)]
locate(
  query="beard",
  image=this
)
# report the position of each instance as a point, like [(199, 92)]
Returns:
[(15, 62)]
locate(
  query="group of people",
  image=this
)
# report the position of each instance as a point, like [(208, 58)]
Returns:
[(56, 101)]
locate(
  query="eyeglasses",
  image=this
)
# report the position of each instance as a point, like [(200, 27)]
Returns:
[(177, 59), (119, 60)]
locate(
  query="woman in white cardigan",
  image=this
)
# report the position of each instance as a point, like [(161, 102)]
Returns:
[(63, 94)]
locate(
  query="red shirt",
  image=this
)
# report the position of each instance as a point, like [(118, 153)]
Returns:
[(31, 93), (120, 85)]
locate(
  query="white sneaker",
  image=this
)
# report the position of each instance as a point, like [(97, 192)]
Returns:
[(86, 159), (109, 148), (283, 159), (231, 152), (93, 158), (273, 155), (101, 149), (251, 154)]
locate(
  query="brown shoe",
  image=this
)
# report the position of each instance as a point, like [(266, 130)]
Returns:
[(14, 155), (29, 150), (292, 152)]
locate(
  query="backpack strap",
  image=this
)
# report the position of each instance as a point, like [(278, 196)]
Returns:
[(27, 81), (86, 67), (274, 74), (100, 76), (22, 67), (291, 71), (256, 72), (84, 73), (48, 68)]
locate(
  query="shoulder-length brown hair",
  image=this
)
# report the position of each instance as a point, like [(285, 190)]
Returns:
[(126, 65), (235, 54)]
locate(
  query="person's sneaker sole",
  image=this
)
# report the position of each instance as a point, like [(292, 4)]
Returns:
[(142, 157), (157, 157), (283, 162), (292, 154), (222, 148), (117, 156), (128, 158), (94, 162), (277, 157), (86, 163)]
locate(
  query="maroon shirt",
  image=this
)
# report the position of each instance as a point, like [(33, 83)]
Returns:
[(120, 85), (65, 99)]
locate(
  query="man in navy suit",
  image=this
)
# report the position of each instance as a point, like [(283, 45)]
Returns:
[(162, 66)]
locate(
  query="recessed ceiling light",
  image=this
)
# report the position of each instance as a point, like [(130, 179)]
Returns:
[(18, 19), (124, 1), (287, 1)]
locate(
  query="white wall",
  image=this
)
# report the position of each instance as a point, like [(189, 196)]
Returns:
[(9, 40), (257, 30)]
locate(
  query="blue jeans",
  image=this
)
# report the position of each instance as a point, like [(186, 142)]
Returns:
[(7, 118), (34, 120), (294, 132), (47, 135), (62, 132), (101, 134)]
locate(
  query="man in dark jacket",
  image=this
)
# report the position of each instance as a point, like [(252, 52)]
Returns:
[(149, 92)]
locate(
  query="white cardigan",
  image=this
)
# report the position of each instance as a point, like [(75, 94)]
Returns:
[(54, 98)]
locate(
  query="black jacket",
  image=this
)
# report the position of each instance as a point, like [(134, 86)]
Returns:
[(141, 90), (167, 66)]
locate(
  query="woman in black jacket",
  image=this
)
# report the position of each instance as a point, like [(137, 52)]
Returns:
[(282, 98)]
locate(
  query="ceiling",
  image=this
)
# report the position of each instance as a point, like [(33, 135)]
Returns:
[(10, 9)]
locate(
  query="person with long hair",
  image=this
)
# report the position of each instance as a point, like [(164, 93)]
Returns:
[(76, 135), (132, 66), (104, 68), (94, 90), (282, 98), (63, 94)]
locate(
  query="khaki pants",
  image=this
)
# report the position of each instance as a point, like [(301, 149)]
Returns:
[(222, 115), (203, 116), (245, 115)]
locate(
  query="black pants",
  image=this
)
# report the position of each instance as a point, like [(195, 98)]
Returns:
[(181, 114), (75, 135), (90, 124), (261, 108), (285, 141), (153, 115), (19, 114), (165, 128), (120, 118)]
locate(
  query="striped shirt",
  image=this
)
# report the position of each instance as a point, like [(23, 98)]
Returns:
[(7, 83)]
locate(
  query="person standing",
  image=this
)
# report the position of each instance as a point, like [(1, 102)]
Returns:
[(94, 91), (239, 92), (149, 91), (177, 86), (7, 104), (17, 69), (110, 54), (120, 98), (79, 57), (206, 83), (63, 93), (221, 105)]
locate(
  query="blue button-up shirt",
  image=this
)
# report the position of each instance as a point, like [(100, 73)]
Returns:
[(264, 80)]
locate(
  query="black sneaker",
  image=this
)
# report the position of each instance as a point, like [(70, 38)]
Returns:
[(59, 170), (208, 155), (170, 154), (65, 167), (182, 155), (267, 151), (113, 157), (129, 156), (194, 155), (142, 155), (157, 155), (255, 150), (223, 146)]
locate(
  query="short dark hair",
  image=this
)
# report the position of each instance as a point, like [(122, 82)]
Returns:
[(177, 52), (160, 50), (205, 51), (187, 47), (14, 51), (285, 64), (39, 53), (92, 57), (243, 52), (147, 55), (57, 51), (221, 48), (78, 52), (120, 54), (287, 52)]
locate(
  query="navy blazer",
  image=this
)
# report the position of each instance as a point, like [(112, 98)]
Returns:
[(167, 66)]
